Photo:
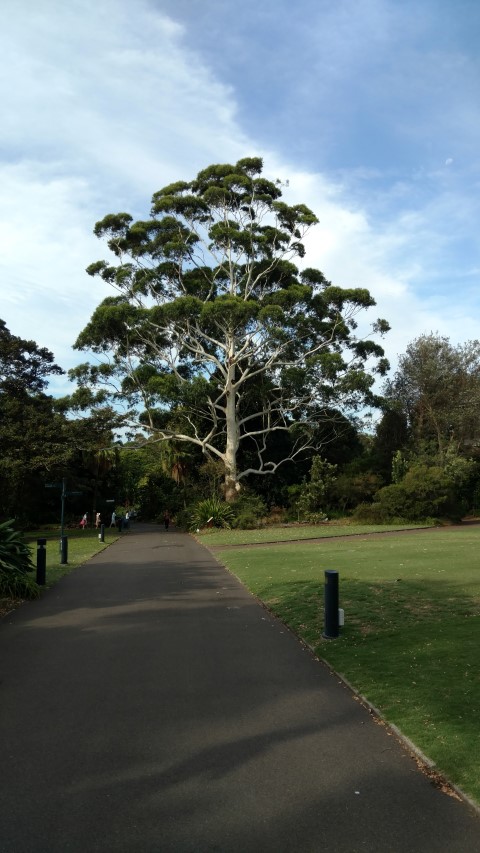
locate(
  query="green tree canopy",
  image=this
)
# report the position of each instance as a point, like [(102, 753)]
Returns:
[(436, 389), (215, 337), (24, 366), (32, 434)]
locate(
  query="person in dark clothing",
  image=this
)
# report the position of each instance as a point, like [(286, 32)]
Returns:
[(166, 519)]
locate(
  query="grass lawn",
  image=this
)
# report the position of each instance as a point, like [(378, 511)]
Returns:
[(411, 641), (287, 534), (81, 546)]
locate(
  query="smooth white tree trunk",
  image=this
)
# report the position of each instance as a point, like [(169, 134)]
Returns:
[(231, 482)]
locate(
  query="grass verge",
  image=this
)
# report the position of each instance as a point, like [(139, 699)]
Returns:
[(81, 546), (412, 629), (289, 534)]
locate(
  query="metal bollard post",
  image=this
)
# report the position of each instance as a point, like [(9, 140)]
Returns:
[(101, 535), (331, 630), (63, 550), (41, 561)]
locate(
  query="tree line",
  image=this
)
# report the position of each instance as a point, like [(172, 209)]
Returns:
[(225, 369)]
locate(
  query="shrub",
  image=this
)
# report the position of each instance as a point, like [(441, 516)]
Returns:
[(211, 511), (425, 492), (183, 519), (315, 517), (314, 493), (249, 511), (246, 520), (375, 514), (15, 562)]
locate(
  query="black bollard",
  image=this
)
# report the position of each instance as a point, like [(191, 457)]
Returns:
[(331, 630), (41, 561), (63, 550), (102, 533)]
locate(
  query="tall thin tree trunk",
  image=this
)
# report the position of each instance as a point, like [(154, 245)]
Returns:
[(231, 484)]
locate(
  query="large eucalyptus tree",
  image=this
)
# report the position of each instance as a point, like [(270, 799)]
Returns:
[(214, 336)]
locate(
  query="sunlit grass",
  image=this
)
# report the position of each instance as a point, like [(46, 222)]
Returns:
[(412, 629), (82, 544), (295, 532)]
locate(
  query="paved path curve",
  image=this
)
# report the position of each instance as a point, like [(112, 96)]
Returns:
[(148, 703)]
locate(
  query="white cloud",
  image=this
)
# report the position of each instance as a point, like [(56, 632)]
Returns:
[(102, 109), (392, 260), (102, 105)]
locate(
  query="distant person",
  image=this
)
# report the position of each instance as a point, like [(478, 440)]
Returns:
[(114, 519), (127, 520), (97, 520), (84, 522), (166, 519)]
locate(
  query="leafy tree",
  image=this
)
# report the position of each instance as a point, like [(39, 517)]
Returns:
[(33, 434), (424, 493), (314, 494), (24, 366), (95, 457), (391, 435), (40, 444), (437, 389), (399, 467), (352, 487), (214, 336)]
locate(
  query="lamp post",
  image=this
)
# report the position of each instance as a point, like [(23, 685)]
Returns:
[(63, 538)]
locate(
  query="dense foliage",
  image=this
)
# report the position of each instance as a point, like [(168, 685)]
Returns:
[(233, 364), (41, 443), (15, 563), (215, 339)]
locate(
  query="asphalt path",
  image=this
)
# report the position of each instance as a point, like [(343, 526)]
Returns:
[(149, 703)]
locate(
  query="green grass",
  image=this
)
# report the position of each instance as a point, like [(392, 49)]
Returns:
[(81, 546), (287, 534), (411, 641)]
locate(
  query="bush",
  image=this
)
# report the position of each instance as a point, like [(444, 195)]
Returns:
[(315, 517), (15, 562), (375, 514), (183, 519), (425, 492), (211, 512), (314, 493), (246, 520), (249, 511)]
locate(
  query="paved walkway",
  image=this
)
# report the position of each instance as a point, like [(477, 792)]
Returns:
[(149, 703)]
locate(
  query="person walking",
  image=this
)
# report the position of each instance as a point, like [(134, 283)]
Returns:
[(114, 519), (84, 522), (97, 520), (166, 519)]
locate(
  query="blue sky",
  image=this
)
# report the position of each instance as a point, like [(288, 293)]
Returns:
[(369, 108)]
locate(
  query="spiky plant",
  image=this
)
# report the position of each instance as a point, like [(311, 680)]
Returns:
[(15, 563), (212, 511)]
